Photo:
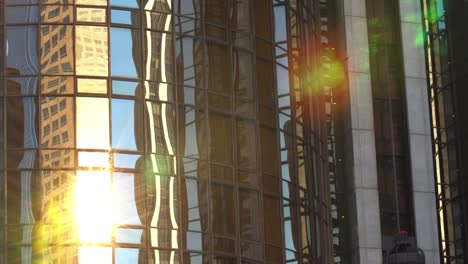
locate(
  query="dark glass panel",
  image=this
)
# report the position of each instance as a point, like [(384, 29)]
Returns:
[(216, 12), (224, 245), (163, 6), (125, 52), (189, 61), (21, 55), (193, 168), (249, 215), (22, 86), (163, 202), (160, 128), (187, 8), (221, 173), (262, 18), (240, 15), (271, 211), (221, 138), (269, 150), (158, 21), (218, 69), (193, 134), (251, 251), (159, 91), (22, 14), (191, 96), (194, 203), (127, 124), (243, 70), (24, 198), (223, 217), (22, 159), (219, 103), (165, 256), (246, 141), (265, 83), (158, 57), (22, 122)]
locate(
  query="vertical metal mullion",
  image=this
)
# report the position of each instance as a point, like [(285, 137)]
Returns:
[(4, 147)]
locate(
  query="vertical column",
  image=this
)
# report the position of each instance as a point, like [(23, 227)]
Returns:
[(360, 158), (419, 129)]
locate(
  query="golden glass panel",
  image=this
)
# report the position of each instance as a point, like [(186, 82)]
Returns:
[(57, 85), (91, 2), (56, 49), (86, 14), (91, 51), (92, 122), (57, 14), (98, 86), (57, 122)]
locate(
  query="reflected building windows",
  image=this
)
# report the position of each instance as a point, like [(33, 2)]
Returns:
[(152, 131)]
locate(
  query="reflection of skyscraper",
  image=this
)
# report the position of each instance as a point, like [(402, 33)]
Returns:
[(163, 133)]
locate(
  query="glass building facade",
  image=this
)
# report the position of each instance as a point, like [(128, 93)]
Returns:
[(162, 132)]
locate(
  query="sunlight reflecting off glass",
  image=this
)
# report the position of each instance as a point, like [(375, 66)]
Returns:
[(92, 122), (94, 206), (92, 255)]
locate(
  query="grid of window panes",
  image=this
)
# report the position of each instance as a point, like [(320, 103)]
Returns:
[(155, 131)]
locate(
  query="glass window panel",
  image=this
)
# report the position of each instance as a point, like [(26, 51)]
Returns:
[(242, 67), (194, 168), (271, 211), (93, 159), (57, 201), (159, 91), (23, 189), (166, 256), (262, 20), (56, 50), (21, 2), (219, 103), (218, 69), (194, 205), (125, 52), (94, 206), (249, 215), (91, 254), (223, 209), (193, 134), (187, 8), (240, 15), (22, 85), (163, 202), (127, 188), (57, 85), (221, 138), (22, 159), (130, 255), (158, 21), (91, 51), (280, 23), (246, 141), (92, 122), (21, 50), (164, 238), (127, 124), (216, 11), (196, 241), (190, 57), (161, 164), (161, 132), (222, 173), (85, 14), (126, 17), (91, 2), (58, 158), (22, 122), (57, 122), (269, 151), (126, 88), (186, 26), (157, 5), (265, 83), (128, 161), (282, 79), (158, 56), (98, 86), (124, 3), (252, 251), (191, 96), (129, 236), (225, 245), (57, 14), (22, 14)]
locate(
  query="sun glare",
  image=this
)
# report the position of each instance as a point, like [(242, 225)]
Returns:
[(94, 206)]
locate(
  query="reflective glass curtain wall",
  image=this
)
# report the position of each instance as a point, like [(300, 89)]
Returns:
[(163, 132)]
